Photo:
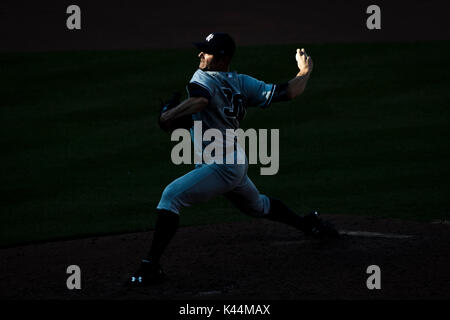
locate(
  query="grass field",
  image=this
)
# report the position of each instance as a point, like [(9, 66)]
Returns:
[(81, 153)]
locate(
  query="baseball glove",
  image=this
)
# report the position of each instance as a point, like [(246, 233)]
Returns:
[(181, 122)]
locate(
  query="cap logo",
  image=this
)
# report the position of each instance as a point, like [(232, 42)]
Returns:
[(208, 38)]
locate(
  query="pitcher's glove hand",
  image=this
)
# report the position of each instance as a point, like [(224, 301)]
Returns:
[(181, 122)]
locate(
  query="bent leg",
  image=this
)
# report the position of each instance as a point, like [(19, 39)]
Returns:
[(198, 185)]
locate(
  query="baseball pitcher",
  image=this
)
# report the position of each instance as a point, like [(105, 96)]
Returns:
[(219, 98)]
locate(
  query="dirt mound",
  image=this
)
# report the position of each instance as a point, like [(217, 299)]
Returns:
[(255, 259)]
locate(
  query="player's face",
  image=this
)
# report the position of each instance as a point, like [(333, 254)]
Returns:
[(208, 62)]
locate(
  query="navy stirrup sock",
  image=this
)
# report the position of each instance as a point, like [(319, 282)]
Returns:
[(281, 213), (166, 225)]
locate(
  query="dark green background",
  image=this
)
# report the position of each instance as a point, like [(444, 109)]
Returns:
[(81, 152)]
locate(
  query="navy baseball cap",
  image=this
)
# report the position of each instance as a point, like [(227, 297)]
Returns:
[(219, 43)]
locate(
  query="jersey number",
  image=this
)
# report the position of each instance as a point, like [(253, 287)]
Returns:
[(236, 108)]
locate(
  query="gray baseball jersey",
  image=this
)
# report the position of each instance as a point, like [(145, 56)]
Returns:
[(229, 94)]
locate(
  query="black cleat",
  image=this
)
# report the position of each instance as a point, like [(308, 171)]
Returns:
[(318, 228), (147, 274)]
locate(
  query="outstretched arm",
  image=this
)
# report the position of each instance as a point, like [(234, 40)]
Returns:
[(289, 90), (297, 85)]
